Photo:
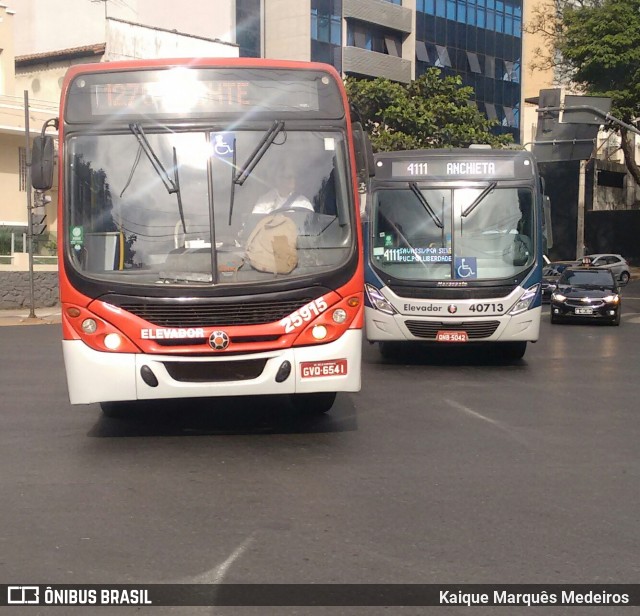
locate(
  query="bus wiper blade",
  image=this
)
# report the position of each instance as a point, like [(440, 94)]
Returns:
[(425, 204), (255, 156), (232, 196), (479, 198), (176, 179), (172, 186)]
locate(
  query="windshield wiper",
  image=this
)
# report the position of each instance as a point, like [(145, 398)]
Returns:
[(425, 204), (254, 158), (479, 198), (172, 186)]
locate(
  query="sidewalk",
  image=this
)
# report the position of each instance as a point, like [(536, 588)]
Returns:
[(20, 316)]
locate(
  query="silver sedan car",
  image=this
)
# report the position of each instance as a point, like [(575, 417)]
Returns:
[(616, 263)]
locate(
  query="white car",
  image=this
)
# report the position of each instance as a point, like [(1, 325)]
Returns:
[(616, 263)]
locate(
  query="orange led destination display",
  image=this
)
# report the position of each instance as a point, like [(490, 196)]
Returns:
[(202, 92)]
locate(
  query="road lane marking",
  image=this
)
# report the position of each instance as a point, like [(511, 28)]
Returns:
[(494, 422), (216, 575)]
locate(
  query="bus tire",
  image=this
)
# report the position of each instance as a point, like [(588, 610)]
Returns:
[(388, 350), (514, 350), (116, 410), (313, 404)]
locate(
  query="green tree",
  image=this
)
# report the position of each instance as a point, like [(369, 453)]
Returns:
[(430, 112), (595, 44)]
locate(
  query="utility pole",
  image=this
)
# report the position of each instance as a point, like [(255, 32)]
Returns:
[(32, 313)]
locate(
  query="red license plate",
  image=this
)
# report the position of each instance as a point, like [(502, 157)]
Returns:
[(334, 367), (451, 336)]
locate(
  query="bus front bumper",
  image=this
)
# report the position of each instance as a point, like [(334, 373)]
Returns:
[(381, 327), (94, 376)]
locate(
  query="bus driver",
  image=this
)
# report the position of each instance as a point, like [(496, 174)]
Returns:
[(283, 195)]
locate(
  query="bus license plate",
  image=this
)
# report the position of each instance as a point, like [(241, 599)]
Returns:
[(584, 310), (334, 367), (451, 336)]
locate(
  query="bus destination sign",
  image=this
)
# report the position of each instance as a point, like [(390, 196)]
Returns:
[(453, 169), (153, 97), (193, 92)]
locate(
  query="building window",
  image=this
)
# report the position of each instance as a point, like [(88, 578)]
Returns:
[(490, 110), (490, 66), (509, 117), (443, 56), (326, 32), (366, 36), (474, 63), (248, 28), (421, 52), (22, 169)]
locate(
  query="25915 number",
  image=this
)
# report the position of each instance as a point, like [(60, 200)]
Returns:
[(303, 315)]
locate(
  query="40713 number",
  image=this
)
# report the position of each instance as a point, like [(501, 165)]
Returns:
[(486, 308)]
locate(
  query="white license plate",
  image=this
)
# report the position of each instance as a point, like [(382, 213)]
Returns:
[(584, 310), (334, 367), (451, 336)]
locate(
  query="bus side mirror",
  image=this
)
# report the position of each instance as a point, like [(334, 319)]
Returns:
[(364, 156), (42, 160)]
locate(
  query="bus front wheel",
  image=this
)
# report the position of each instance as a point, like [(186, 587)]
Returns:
[(115, 410), (514, 350), (313, 404)]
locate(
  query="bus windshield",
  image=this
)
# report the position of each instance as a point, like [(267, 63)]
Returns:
[(134, 221), (483, 232)]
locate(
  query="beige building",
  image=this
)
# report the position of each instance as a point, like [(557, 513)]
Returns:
[(13, 151), (533, 79), (40, 75)]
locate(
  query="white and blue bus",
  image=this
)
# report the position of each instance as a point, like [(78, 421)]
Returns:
[(454, 242)]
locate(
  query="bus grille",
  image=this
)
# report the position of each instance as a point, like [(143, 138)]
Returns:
[(454, 293), (215, 315), (475, 330), (215, 371)]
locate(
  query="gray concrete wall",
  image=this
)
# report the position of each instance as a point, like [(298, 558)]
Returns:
[(15, 293)]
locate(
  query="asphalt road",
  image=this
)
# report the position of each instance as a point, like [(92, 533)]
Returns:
[(445, 468)]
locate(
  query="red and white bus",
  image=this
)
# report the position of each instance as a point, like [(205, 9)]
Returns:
[(166, 167)]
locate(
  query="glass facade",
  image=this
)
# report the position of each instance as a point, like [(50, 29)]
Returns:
[(248, 28), (480, 40), (326, 32)]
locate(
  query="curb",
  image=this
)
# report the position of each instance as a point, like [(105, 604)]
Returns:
[(14, 317)]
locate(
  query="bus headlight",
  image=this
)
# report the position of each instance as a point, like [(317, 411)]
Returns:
[(89, 326), (525, 300), (319, 332), (112, 341), (339, 315), (378, 301)]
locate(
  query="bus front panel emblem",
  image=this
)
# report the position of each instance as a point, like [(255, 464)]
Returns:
[(219, 341), (452, 309)]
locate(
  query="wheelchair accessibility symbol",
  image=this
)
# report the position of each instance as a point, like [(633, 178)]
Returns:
[(466, 267), (223, 144)]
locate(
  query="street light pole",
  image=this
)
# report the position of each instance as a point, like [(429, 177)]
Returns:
[(32, 313)]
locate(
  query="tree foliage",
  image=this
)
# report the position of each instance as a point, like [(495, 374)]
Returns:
[(595, 44), (547, 21), (430, 112)]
